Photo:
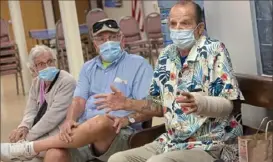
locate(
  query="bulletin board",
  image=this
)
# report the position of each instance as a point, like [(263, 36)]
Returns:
[(112, 3), (165, 7), (262, 18)]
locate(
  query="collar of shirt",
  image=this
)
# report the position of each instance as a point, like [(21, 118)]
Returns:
[(193, 54), (99, 62)]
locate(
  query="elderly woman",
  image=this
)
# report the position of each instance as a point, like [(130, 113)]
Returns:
[(49, 97)]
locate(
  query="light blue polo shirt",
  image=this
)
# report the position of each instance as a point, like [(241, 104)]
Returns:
[(131, 74)]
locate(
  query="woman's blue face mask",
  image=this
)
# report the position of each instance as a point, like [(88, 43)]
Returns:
[(110, 51), (48, 74)]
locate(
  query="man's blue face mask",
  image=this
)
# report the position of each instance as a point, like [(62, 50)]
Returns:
[(183, 38), (110, 51)]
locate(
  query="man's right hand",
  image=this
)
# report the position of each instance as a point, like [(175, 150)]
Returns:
[(112, 102), (66, 130)]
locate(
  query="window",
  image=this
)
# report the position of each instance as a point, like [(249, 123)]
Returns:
[(263, 21)]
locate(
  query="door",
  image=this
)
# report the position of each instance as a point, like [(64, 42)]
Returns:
[(82, 7)]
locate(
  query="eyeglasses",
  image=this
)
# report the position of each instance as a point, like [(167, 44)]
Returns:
[(115, 37), (109, 23), (49, 62)]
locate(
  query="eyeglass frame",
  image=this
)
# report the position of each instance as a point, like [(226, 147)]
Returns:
[(113, 37), (50, 62)]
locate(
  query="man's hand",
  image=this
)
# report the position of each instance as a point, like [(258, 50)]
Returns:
[(18, 134), (66, 130), (113, 101), (187, 102), (119, 122)]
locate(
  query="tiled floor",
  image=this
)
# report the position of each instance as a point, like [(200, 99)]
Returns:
[(13, 105)]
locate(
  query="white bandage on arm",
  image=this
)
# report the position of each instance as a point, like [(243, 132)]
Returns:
[(212, 106)]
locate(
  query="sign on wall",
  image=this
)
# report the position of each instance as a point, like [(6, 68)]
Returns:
[(113, 3)]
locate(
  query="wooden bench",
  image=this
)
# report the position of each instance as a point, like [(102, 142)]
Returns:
[(257, 90)]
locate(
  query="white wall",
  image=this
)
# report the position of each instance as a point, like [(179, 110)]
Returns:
[(231, 22), (126, 9), (117, 13), (150, 6)]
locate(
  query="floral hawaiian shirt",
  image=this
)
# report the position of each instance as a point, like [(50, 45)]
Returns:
[(207, 67)]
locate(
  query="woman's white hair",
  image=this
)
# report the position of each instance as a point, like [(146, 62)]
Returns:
[(37, 51)]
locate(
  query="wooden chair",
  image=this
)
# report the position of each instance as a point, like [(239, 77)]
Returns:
[(61, 48), (257, 90), (9, 56), (134, 43), (153, 31)]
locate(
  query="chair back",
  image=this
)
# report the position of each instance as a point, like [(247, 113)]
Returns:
[(257, 91), (9, 57), (4, 37), (130, 29), (153, 26), (60, 35), (93, 16), (60, 46)]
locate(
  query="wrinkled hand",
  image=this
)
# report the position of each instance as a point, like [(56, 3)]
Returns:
[(119, 122), (18, 134), (113, 101), (187, 102), (66, 130)]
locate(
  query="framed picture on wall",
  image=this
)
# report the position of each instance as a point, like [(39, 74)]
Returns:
[(113, 3)]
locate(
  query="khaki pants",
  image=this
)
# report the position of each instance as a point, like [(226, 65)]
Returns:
[(120, 143), (152, 153)]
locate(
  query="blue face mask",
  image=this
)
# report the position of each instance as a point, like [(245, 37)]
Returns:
[(183, 39), (48, 74), (110, 51)]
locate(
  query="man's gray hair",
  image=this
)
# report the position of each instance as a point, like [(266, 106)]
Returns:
[(37, 51)]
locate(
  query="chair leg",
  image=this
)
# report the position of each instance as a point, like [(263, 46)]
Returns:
[(17, 86), (22, 83), (151, 56)]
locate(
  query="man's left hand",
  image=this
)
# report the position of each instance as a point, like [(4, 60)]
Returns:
[(119, 122), (187, 102)]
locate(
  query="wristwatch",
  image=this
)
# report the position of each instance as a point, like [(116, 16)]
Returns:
[(131, 120)]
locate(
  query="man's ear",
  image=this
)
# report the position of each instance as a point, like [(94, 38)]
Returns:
[(201, 28), (96, 46), (122, 41), (34, 71)]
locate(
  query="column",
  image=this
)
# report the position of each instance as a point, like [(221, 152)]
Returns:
[(72, 36), (20, 39), (49, 15)]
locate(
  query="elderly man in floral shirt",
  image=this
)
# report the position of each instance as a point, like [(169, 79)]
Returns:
[(194, 87)]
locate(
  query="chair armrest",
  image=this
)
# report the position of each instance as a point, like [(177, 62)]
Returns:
[(145, 136)]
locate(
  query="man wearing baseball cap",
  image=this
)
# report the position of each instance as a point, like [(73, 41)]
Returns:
[(91, 128)]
